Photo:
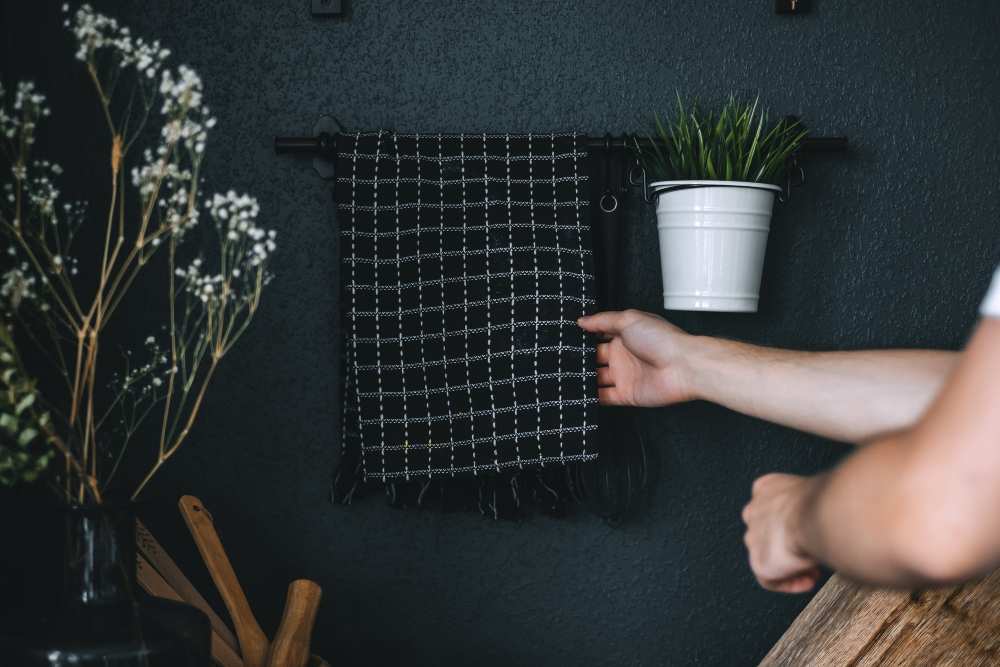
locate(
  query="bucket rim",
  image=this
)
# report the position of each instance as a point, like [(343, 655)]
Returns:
[(732, 184)]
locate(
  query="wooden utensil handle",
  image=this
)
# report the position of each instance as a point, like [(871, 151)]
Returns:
[(155, 585), (172, 575), (290, 647), (253, 642)]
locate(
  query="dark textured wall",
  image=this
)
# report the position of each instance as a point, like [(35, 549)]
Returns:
[(891, 246)]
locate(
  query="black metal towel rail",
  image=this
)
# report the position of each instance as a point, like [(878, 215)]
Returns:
[(322, 147)]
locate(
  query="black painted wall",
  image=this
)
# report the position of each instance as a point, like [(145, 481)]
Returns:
[(891, 246)]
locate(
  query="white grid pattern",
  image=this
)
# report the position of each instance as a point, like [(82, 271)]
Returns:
[(465, 301), (403, 290), (375, 208), (462, 332), (405, 232), (471, 253), (475, 385)]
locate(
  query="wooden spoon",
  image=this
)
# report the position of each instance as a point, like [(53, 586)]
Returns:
[(254, 645), (253, 642), (290, 647)]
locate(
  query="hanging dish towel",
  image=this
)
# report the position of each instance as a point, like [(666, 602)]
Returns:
[(465, 263)]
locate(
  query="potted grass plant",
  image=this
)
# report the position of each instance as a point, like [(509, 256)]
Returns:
[(715, 179), (69, 427)]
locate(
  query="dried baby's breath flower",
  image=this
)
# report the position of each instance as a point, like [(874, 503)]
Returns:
[(211, 299)]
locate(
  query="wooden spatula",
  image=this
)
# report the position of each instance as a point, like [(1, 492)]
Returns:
[(253, 642), (172, 575), (155, 585)]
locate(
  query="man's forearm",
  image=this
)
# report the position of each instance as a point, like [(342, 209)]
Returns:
[(847, 396), (845, 518), (921, 506)]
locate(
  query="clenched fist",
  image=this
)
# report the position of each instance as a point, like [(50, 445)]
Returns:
[(772, 519)]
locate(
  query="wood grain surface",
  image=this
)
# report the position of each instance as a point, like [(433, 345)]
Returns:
[(290, 647), (166, 567), (850, 625), (155, 585), (253, 642)]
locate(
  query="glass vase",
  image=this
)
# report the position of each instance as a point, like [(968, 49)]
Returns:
[(103, 618)]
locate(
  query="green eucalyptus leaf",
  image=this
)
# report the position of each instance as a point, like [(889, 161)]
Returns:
[(27, 435), (25, 403), (19, 424), (8, 423)]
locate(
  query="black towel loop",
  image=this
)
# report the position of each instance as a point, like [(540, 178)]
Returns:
[(609, 194), (624, 167)]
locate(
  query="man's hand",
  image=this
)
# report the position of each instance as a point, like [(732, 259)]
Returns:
[(771, 517), (644, 359)]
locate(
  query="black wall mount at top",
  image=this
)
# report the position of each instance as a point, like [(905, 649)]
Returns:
[(791, 6), (328, 7), (322, 146)]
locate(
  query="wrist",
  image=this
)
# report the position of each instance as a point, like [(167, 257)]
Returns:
[(706, 366), (801, 518)]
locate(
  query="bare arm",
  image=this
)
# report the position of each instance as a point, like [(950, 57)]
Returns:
[(848, 396), (922, 506)]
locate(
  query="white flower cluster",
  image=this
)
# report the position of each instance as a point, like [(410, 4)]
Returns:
[(204, 288), (235, 214), (172, 184), (186, 122), (178, 216), (18, 286), (157, 171), (162, 174), (188, 131), (95, 31), (27, 99), (40, 189), (245, 246), (144, 379), (28, 103), (73, 214), (183, 92), (189, 118), (60, 263), (9, 125)]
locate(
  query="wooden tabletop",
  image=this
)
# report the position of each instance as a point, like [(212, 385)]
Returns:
[(850, 625)]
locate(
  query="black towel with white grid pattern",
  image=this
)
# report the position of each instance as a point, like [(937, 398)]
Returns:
[(465, 263)]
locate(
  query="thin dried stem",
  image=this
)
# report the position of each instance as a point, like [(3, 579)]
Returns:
[(218, 307)]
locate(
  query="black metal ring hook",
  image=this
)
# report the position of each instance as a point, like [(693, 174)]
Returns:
[(802, 173), (608, 195), (635, 175), (786, 191)]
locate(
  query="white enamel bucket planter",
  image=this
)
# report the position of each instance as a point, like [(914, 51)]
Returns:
[(712, 240)]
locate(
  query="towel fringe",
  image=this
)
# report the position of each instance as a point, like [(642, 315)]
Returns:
[(504, 495)]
